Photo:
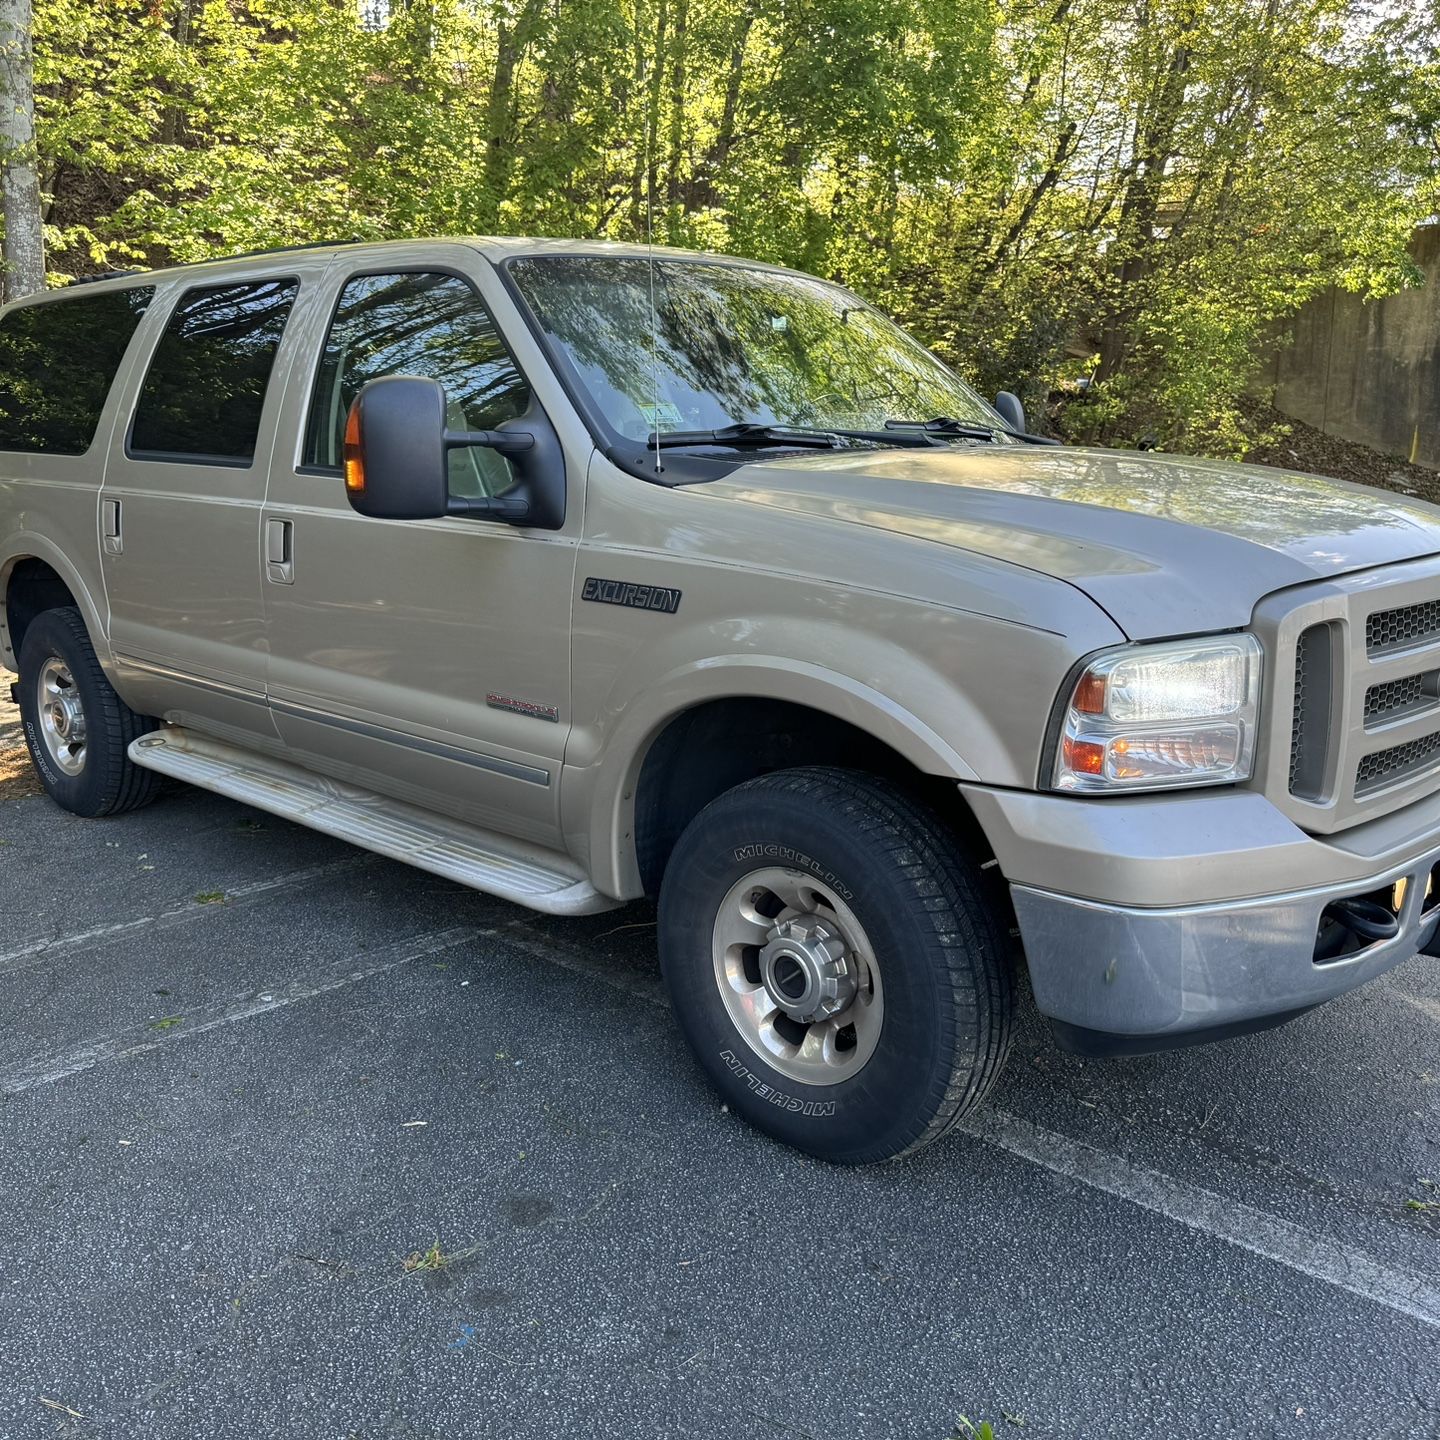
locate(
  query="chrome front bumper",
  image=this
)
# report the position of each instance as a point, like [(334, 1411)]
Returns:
[(1119, 978)]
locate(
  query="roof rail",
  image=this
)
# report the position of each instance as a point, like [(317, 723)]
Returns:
[(103, 275), (211, 260), (272, 250)]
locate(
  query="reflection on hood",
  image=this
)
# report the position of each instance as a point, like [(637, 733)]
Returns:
[(1167, 545)]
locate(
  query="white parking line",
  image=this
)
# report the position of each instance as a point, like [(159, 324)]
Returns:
[(1225, 1219), (37, 952), (1422, 1003), (142, 1039), (1232, 1221)]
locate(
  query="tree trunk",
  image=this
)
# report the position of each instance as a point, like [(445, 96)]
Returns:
[(674, 182), (1154, 146), (705, 189), (24, 245), (512, 44), (1063, 148), (172, 115), (649, 84)]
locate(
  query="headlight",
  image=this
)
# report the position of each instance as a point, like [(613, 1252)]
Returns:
[(1141, 717)]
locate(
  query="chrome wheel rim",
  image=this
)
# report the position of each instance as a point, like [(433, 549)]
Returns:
[(798, 976), (61, 715)]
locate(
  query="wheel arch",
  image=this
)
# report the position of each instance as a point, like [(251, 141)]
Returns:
[(679, 757), (37, 577)]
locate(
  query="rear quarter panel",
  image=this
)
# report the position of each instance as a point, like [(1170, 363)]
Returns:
[(50, 511)]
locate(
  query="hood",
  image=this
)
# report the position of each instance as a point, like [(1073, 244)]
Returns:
[(1165, 544)]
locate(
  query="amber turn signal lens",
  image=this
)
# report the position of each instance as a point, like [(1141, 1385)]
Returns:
[(1084, 757), (1090, 694), (353, 455)]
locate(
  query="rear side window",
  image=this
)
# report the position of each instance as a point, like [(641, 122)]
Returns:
[(58, 359), (205, 389)]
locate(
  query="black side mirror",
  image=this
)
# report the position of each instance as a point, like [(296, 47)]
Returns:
[(397, 458), (1012, 412)]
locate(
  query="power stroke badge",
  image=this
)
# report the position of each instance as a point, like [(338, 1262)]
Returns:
[(633, 597)]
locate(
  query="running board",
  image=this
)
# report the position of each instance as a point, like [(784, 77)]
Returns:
[(459, 852)]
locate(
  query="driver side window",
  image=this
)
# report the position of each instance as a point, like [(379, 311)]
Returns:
[(418, 324)]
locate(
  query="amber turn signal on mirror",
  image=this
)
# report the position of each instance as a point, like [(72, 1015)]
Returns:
[(353, 453)]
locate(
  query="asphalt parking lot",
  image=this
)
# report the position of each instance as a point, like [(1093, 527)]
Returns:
[(298, 1142)]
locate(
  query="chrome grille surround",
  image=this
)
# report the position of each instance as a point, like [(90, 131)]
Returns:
[(1372, 737)]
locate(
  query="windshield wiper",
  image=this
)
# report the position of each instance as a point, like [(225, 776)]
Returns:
[(945, 425), (747, 432)]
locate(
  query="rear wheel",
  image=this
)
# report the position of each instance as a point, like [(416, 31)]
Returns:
[(835, 963), (76, 727)]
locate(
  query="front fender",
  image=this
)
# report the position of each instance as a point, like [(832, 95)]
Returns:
[(602, 776)]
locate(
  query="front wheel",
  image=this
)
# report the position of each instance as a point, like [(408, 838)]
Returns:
[(836, 964)]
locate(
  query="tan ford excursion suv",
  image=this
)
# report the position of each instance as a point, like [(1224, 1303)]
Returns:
[(578, 573)]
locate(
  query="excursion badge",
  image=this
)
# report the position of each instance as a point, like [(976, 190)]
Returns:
[(634, 597)]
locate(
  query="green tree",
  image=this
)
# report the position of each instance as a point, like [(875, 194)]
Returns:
[(1137, 189)]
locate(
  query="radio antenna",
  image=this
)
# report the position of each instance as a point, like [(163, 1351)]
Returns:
[(650, 265)]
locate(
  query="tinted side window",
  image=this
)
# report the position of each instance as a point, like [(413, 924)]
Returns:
[(58, 359), (206, 384), (431, 325)]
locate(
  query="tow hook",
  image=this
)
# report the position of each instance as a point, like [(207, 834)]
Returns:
[(1367, 920)]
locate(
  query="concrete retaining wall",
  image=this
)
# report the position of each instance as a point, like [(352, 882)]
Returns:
[(1370, 371)]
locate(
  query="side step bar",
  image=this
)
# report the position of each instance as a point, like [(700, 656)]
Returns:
[(459, 852)]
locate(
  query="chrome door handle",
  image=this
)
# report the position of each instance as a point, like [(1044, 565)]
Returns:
[(110, 538), (280, 552)]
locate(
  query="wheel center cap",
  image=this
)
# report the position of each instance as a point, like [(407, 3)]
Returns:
[(65, 719), (807, 971)]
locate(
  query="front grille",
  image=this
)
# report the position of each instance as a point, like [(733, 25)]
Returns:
[(1409, 625), (1310, 715), (1297, 717), (1396, 698), (1362, 653), (1398, 762)]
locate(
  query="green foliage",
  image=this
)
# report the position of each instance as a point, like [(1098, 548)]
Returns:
[(965, 1430), (1136, 189)]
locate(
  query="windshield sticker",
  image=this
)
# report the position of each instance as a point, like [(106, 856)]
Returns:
[(662, 415)]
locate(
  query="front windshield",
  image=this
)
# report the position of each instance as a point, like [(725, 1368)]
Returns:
[(733, 344)]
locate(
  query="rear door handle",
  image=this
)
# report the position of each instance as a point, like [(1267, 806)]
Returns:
[(280, 552), (111, 540)]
